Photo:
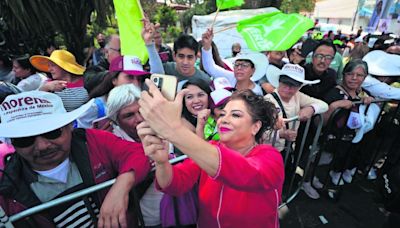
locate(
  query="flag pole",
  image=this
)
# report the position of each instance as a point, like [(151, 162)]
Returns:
[(215, 18), (226, 28), (140, 8)]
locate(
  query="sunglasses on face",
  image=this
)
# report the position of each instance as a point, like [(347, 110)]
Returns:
[(29, 141)]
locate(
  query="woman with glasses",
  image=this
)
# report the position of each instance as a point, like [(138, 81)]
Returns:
[(240, 181), (343, 96), (247, 69)]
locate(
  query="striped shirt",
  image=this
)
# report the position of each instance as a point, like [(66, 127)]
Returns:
[(74, 95)]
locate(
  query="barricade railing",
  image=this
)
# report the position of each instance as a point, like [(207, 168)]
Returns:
[(7, 222), (381, 141), (336, 190), (291, 187)]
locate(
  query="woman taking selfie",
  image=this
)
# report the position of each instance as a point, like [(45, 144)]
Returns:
[(228, 196)]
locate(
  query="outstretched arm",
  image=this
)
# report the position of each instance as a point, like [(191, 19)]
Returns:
[(208, 62), (148, 38)]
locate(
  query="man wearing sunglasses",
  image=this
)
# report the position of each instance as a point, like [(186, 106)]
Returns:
[(53, 160)]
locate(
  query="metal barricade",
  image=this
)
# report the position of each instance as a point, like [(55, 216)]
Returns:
[(333, 191), (6, 221), (293, 186)]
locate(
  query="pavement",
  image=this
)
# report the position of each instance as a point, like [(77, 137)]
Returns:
[(358, 206)]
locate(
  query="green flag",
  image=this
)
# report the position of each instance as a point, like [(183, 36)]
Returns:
[(226, 4), (274, 31), (129, 14)]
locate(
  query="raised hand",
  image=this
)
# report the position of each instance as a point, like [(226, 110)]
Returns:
[(207, 39), (154, 147), (148, 31), (162, 116)]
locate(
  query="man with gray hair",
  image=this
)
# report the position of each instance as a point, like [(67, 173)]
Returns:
[(123, 110)]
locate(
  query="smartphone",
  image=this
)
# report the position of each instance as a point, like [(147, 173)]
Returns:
[(100, 123), (307, 47), (166, 83)]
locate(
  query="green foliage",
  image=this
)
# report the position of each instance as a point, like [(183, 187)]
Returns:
[(166, 16), (35, 23), (171, 34), (295, 6), (207, 7)]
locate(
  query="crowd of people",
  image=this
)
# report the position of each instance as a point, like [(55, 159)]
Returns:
[(65, 127)]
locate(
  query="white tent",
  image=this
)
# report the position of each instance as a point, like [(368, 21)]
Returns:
[(225, 39)]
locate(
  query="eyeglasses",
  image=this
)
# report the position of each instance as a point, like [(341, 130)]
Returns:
[(242, 65), (326, 57), (29, 141), (352, 74)]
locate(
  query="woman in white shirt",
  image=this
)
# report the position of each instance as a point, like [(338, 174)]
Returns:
[(30, 80), (247, 68)]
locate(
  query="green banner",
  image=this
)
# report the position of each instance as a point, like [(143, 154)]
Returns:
[(274, 31), (129, 15), (226, 4)]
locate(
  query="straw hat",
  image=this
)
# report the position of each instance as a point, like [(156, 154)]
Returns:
[(64, 59)]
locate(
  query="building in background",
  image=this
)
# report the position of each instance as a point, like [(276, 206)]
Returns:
[(349, 15)]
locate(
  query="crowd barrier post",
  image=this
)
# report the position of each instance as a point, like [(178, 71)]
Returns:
[(291, 194)]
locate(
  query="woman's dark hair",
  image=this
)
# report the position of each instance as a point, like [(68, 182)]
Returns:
[(25, 64), (353, 64), (215, 55), (203, 85), (259, 110), (105, 86)]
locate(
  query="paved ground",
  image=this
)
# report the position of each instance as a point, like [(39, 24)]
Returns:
[(357, 207)]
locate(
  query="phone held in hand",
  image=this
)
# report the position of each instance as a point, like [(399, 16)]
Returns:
[(167, 84)]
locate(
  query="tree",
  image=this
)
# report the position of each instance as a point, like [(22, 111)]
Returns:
[(296, 6), (166, 16), (31, 24)]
